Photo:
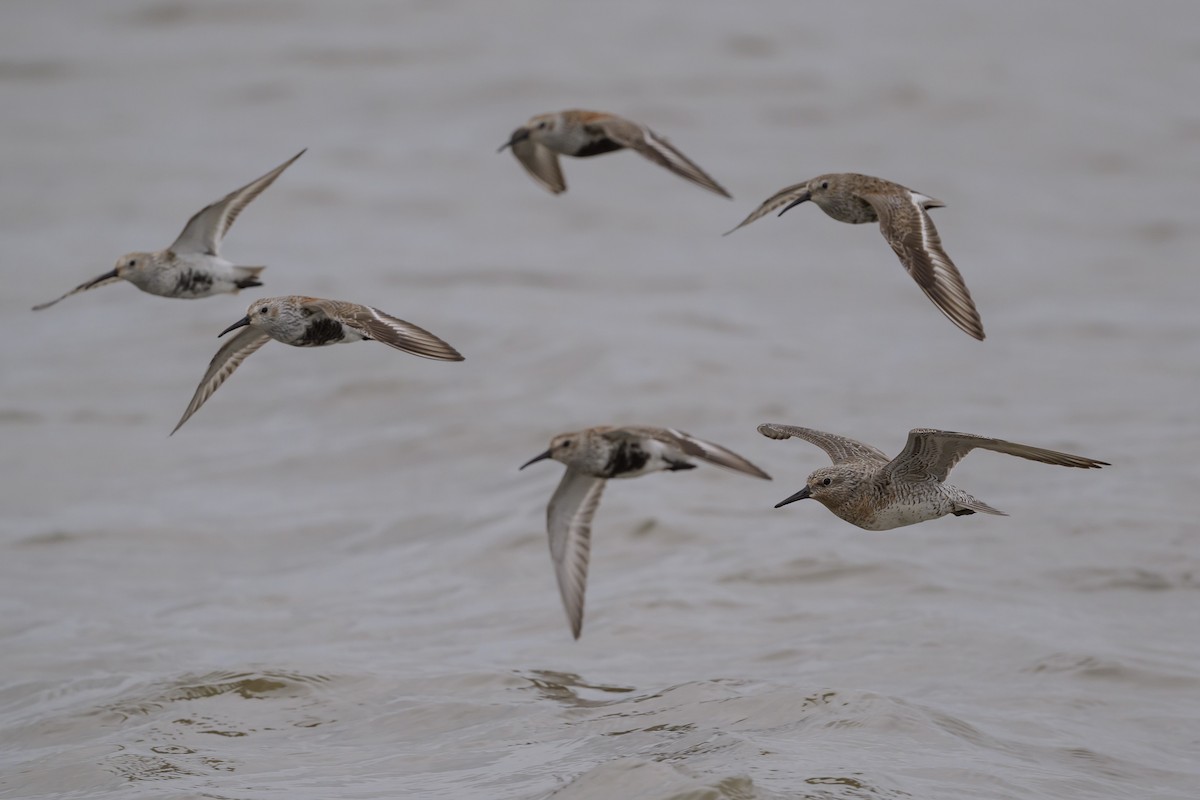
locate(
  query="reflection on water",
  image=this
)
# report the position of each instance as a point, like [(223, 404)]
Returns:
[(570, 689), (276, 685)]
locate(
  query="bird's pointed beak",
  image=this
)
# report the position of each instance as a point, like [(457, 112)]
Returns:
[(519, 135), (535, 459), (112, 273), (241, 323), (803, 494), (804, 198)]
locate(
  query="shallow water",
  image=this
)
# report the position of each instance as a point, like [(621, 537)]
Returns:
[(333, 582)]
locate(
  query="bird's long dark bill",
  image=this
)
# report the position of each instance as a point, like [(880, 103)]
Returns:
[(804, 198), (241, 323), (803, 494), (535, 459), (519, 135), (105, 277)]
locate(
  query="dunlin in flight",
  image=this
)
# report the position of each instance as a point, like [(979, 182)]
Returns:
[(538, 143), (594, 455), (192, 266), (903, 218), (867, 489), (311, 322)]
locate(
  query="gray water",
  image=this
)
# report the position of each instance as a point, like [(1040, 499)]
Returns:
[(334, 582)]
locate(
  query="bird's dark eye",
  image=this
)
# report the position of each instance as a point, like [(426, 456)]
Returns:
[(824, 184), (541, 125), (827, 481), (132, 263), (566, 443), (262, 310)]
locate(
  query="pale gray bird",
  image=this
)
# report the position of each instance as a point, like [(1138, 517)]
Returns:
[(538, 143), (867, 489), (904, 221), (311, 322), (594, 455), (192, 266)]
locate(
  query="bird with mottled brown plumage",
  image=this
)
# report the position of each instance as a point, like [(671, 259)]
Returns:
[(539, 142), (866, 488), (903, 219), (594, 455), (312, 322)]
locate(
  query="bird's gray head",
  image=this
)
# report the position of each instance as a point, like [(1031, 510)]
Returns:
[(271, 315), (536, 129), (820, 190), (565, 448), (830, 486), (133, 267), (544, 125)]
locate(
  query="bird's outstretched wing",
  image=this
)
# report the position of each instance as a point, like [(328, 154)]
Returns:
[(840, 449), (932, 453), (541, 163), (780, 198), (103, 280), (389, 330), (569, 523), (703, 450), (909, 229), (227, 359), (626, 133), (208, 226)]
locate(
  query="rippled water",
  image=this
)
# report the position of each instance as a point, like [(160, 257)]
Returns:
[(333, 582)]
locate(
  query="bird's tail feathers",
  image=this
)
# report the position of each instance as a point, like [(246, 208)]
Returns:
[(247, 276), (925, 201), (969, 505)]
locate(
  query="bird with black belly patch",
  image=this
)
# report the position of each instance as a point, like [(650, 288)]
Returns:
[(539, 142), (192, 266), (311, 322), (594, 455)]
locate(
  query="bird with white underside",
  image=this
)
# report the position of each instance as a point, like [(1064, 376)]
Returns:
[(311, 322), (594, 455), (192, 266), (866, 488)]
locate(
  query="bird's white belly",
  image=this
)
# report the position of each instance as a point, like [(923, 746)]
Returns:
[(186, 276), (212, 264), (659, 453), (350, 334), (659, 457), (897, 515), (569, 141)]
